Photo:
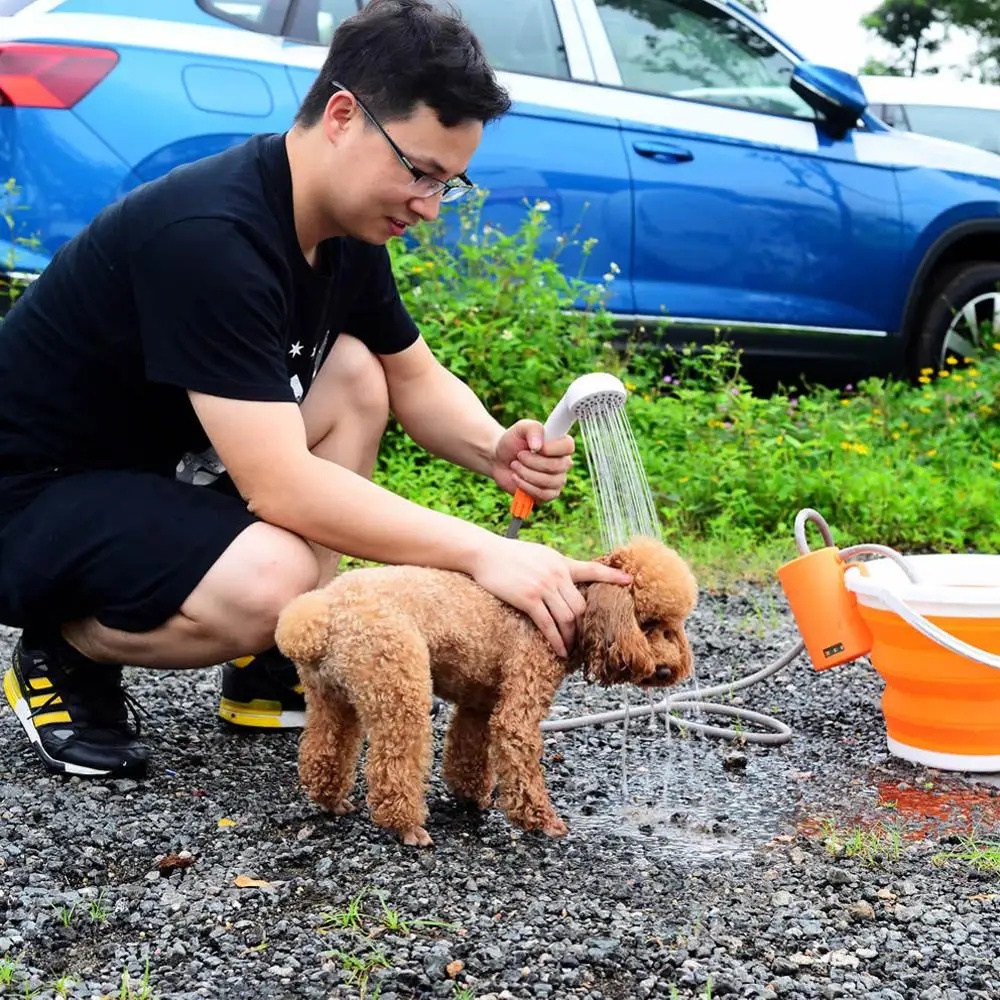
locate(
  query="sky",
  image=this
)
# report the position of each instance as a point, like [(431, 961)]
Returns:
[(830, 32)]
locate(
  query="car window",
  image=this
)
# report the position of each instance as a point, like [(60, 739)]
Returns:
[(694, 50), (521, 36), (260, 15), (971, 126)]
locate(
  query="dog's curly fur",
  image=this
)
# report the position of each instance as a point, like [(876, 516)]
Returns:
[(371, 646)]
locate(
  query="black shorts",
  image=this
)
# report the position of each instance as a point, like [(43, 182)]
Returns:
[(124, 547)]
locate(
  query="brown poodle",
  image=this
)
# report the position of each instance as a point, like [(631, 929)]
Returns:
[(372, 645)]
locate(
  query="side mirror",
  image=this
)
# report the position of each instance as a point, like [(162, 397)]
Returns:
[(838, 96)]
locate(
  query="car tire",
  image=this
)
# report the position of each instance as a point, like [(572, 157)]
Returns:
[(965, 301)]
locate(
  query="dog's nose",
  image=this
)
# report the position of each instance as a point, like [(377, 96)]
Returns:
[(664, 673)]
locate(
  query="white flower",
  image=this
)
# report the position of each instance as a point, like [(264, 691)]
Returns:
[(609, 277), (506, 335), (543, 206), (615, 269)]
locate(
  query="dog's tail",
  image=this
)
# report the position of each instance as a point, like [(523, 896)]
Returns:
[(303, 627)]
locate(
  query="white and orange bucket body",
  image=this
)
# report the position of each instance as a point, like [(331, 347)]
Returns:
[(941, 708)]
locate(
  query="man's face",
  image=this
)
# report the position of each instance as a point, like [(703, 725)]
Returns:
[(377, 195)]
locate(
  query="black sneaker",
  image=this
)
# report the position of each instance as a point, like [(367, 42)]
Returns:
[(76, 716), (262, 692)]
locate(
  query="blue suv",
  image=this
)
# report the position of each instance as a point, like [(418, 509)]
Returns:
[(731, 185)]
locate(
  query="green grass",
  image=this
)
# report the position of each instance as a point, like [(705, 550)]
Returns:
[(914, 466), (362, 921), (983, 857), (875, 846)]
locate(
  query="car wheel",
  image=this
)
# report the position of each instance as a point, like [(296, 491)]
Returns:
[(962, 318)]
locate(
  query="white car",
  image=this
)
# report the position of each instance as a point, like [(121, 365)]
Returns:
[(931, 105)]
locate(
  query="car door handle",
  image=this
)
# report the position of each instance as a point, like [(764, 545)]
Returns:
[(663, 151)]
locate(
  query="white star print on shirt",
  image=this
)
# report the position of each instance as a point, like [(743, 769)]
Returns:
[(296, 349)]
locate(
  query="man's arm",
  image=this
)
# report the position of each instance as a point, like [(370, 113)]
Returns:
[(263, 446), (439, 411)]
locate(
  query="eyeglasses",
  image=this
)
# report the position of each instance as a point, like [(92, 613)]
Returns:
[(423, 184)]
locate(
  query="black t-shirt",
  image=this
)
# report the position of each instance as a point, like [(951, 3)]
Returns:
[(195, 281)]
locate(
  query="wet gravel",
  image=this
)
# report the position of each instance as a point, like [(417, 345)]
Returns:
[(811, 869)]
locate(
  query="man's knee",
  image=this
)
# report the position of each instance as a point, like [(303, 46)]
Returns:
[(358, 382), (244, 592)]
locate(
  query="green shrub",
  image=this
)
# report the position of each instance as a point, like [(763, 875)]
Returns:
[(913, 466)]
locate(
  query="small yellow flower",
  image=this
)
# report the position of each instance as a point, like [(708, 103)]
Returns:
[(973, 372), (683, 479), (996, 346), (950, 360), (926, 371), (959, 377), (904, 424), (973, 385), (895, 435), (924, 409), (846, 445), (630, 387), (996, 465), (845, 402), (861, 449), (417, 268), (944, 374), (924, 379), (932, 453), (984, 408), (877, 412), (781, 439)]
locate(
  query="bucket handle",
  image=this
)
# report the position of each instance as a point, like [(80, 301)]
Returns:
[(934, 633)]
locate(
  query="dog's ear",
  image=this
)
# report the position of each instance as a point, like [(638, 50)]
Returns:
[(613, 646)]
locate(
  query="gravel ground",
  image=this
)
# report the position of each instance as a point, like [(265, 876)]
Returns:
[(803, 870)]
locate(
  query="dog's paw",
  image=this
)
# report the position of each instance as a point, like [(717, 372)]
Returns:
[(343, 807), (416, 836), (555, 827)]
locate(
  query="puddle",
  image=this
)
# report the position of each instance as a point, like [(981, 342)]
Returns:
[(696, 811)]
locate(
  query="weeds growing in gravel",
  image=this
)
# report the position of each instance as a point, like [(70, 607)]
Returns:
[(359, 921), (873, 846), (983, 857), (8, 966)]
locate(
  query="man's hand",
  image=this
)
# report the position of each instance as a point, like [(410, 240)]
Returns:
[(523, 458), (542, 583)]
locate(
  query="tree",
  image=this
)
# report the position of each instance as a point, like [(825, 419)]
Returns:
[(875, 67), (982, 17), (908, 26)]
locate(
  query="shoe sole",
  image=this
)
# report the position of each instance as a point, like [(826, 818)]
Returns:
[(259, 715), (22, 711)]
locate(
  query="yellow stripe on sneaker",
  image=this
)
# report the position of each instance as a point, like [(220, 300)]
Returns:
[(39, 683), (257, 713), (50, 718), (11, 689), (243, 661), (41, 700)]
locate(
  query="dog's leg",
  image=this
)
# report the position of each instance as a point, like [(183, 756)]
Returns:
[(329, 748), (467, 769), (516, 748), (400, 746), (394, 702)]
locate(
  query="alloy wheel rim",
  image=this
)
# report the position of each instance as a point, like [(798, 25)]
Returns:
[(964, 338)]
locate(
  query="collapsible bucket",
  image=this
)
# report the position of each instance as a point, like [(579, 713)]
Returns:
[(941, 707)]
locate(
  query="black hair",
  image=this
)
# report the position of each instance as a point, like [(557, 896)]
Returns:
[(395, 54)]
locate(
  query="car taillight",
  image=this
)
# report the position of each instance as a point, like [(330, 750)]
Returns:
[(37, 75)]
